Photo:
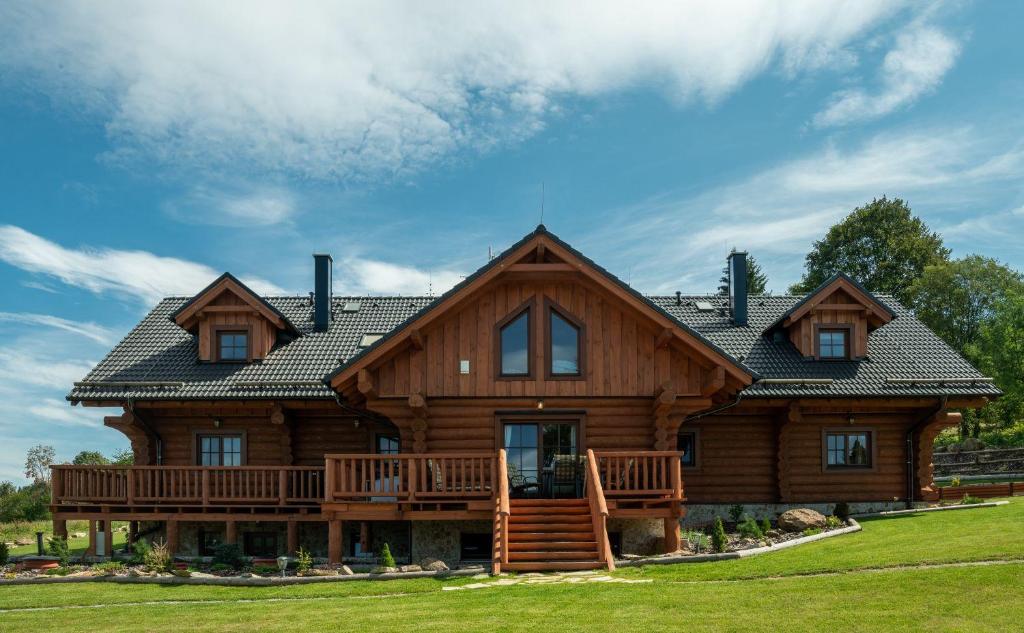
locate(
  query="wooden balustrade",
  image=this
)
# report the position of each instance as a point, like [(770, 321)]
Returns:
[(598, 511), (188, 485), (407, 477), (640, 473)]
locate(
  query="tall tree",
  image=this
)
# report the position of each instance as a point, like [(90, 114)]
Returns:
[(124, 456), (882, 245), (1000, 352), (90, 458), (37, 463), (957, 298), (757, 281)]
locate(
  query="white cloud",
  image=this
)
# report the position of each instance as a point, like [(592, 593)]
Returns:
[(245, 206), (60, 411), (915, 66), (333, 90), (21, 366), (92, 331), (364, 276), (139, 274), (777, 213)]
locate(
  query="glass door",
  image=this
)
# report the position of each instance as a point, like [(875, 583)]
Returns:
[(543, 459)]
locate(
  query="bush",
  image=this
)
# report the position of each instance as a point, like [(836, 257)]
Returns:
[(968, 500), (386, 559), (158, 558), (220, 567), (833, 522), (109, 567), (5, 554), (748, 528), (766, 526), (812, 531), (736, 513), (265, 570), (697, 540), (140, 549), (955, 481), (58, 548), (719, 541), (303, 562), (228, 554), (842, 510)]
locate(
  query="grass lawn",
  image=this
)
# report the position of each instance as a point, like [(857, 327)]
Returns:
[(767, 593), (11, 531)]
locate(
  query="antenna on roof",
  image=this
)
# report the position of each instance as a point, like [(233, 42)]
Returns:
[(430, 283), (542, 202)]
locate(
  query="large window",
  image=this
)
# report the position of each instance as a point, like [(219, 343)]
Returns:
[(847, 449), (220, 450), (232, 346), (564, 341), (388, 445), (514, 351), (833, 343), (687, 443)]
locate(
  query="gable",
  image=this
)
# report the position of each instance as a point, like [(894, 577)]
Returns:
[(624, 329)]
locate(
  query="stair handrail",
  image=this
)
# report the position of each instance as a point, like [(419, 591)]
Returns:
[(599, 511), (502, 507)]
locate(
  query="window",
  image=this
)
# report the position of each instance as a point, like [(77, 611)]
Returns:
[(388, 445), (564, 342), (208, 540), (220, 450), (687, 443), (848, 449), (233, 346), (475, 546), (515, 346), (833, 343), (369, 339), (260, 544)]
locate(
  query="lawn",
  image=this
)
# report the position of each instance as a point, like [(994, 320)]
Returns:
[(893, 578), (11, 531)]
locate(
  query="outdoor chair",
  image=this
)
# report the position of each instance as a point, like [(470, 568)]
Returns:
[(520, 485)]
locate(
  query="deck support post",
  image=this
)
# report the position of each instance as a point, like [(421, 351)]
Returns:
[(334, 541), (90, 550), (60, 528), (172, 536), (108, 538), (133, 535), (364, 536), (293, 538), (672, 541), (230, 532)]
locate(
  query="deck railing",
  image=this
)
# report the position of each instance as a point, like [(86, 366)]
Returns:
[(598, 511), (640, 473), (409, 477), (188, 485)]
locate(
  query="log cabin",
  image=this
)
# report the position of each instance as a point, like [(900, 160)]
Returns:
[(541, 414)]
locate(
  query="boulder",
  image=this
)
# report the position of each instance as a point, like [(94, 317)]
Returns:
[(800, 519), (181, 573), (78, 535), (345, 570), (24, 540), (409, 568), (433, 564), (384, 570)]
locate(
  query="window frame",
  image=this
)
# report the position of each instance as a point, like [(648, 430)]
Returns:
[(696, 448), (834, 327), (197, 452), (872, 451), (377, 437), (581, 355), (216, 333), (526, 307)]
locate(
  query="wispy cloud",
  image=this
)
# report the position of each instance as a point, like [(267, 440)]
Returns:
[(139, 274), (92, 331), (338, 90), (916, 64), (364, 276), (235, 205)]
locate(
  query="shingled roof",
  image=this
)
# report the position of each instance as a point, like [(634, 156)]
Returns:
[(157, 360)]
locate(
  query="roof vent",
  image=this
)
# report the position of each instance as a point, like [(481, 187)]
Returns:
[(679, 298), (351, 306), (704, 306)]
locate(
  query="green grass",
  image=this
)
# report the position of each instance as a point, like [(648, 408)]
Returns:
[(11, 531), (768, 593)]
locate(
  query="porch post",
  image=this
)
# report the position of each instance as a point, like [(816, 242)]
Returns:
[(293, 538), (672, 541), (133, 535), (60, 528), (230, 532), (334, 541), (108, 538), (172, 536), (90, 550)]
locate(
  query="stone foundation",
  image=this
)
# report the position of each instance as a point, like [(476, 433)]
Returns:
[(442, 539), (640, 537), (702, 514)]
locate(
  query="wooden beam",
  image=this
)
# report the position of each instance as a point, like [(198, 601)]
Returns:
[(418, 405), (714, 383), (664, 338), (416, 339), (839, 307), (334, 541), (293, 538), (366, 384), (230, 532), (172, 537), (672, 540), (277, 415), (664, 399), (541, 268), (783, 440), (542, 250)]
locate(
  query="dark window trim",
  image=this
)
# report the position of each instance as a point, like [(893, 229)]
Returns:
[(818, 327), (542, 417), (197, 453), (531, 358), (217, 330), (249, 537), (696, 447), (581, 355), (377, 437), (846, 430)]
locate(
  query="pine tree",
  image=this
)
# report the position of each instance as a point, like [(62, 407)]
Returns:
[(757, 281)]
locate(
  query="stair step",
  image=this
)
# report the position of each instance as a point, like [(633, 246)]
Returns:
[(551, 510), (550, 527), (550, 537), (550, 518), (563, 565), (562, 546), (548, 502), (548, 556)]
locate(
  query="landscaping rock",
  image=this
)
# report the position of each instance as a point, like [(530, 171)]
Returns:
[(384, 570), (409, 568), (78, 535), (182, 573), (24, 540), (345, 570), (800, 519), (433, 564)]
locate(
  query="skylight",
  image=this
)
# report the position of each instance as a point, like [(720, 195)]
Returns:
[(351, 306), (369, 339), (704, 306)]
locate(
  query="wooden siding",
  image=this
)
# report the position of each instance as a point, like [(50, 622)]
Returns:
[(262, 333), (619, 346), (802, 333), (736, 460)]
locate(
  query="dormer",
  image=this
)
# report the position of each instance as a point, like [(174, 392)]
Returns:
[(833, 321), (233, 323)]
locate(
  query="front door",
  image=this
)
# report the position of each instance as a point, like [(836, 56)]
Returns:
[(543, 459)]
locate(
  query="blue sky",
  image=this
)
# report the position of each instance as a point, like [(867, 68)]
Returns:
[(146, 149)]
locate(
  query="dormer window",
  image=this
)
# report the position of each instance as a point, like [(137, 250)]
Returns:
[(563, 345), (233, 346), (834, 343), (514, 345)]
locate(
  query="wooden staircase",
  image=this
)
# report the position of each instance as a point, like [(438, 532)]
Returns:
[(551, 534)]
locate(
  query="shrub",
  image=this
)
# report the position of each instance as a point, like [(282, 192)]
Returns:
[(228, 554), (5, 554), (303, 562), (736, 513), (265, 570), (955, 482), (969, 500), (766, 526), (110, 567), (58, 548), (221, 567), (697, 540), (811, 531), (158, 558), (719, 541), (833, 522), (842, 510), (386, 559), (140, 549), (748, 528)]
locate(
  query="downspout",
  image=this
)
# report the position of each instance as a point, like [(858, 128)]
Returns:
[(723, 407), (910, 448), (148, 429)]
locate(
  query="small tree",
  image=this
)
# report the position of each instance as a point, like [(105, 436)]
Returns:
[(757, 281), (124, 457), (386, 559), (719, 541), (58, 548), (38, 461)]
